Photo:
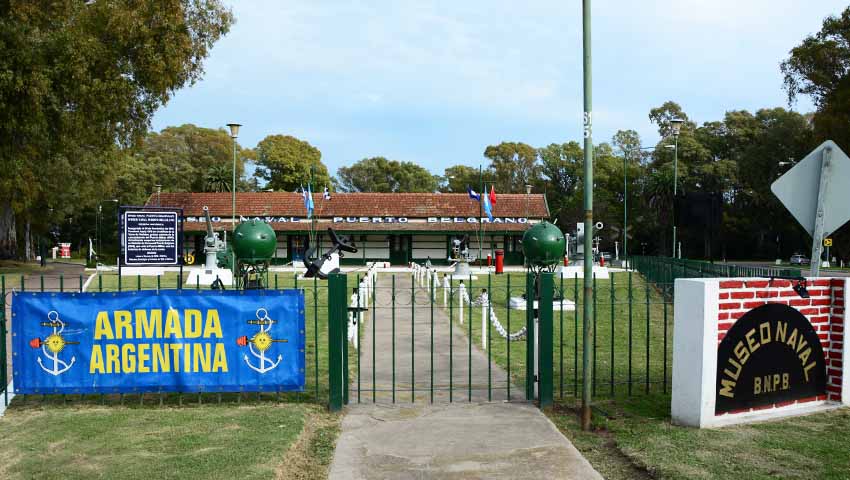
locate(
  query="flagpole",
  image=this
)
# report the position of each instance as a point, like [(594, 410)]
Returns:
[(312, 216), (480, 222)]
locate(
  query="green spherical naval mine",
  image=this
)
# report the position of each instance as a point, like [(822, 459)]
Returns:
[(254, 241), (543, 245)]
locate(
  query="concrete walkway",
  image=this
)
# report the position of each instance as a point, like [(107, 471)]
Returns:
[(411, 352), (461, 440), (468, 441)]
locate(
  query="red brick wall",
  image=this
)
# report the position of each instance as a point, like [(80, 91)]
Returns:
[(825, 311)]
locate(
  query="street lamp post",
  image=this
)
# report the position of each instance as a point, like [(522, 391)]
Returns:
[(625, 211), (234, 133), (97, 234), (99, 225), (676, 126), (626, 201)]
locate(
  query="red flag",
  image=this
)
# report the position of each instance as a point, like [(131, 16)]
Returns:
[(492, 195)]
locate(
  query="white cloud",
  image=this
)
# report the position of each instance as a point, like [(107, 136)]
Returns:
[(438, 80)]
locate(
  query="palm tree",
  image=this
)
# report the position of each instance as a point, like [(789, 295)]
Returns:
[(217, 179)]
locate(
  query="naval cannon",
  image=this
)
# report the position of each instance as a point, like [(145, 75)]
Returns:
[(216, 269)]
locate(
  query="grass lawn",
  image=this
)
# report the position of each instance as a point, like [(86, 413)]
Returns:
[(632, 344), (211, 441), (633, 438)]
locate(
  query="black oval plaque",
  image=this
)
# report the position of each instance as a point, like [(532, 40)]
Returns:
[(771, 354)]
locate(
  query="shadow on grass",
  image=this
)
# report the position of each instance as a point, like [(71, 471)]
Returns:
[(638, 431)]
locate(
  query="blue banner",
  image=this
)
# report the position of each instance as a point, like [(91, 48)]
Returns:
[(166, 341)]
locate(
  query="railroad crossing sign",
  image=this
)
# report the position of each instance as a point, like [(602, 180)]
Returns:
[(816, 192), (827, 242)]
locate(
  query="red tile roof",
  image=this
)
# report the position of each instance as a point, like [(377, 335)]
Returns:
[(411, 205)]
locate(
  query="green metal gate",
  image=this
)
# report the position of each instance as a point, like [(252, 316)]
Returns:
[(427, 337)]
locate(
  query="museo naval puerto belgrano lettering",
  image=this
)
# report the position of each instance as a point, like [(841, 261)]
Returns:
[(174, 340), (771, 354)]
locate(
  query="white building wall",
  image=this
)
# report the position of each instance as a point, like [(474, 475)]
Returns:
[(433, 246), (377, 247)]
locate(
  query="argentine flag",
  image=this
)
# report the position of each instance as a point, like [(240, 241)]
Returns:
[(310, 205), (488, 209)]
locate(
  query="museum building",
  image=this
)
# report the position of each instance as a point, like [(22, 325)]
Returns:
[(394, 227)]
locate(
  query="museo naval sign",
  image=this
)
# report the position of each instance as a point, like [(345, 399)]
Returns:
[(772, 354)]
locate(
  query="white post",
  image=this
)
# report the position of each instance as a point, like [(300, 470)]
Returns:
[(485, 301), (352, 322), (460, 291), (446, 291), (435, 280), (361, 302)]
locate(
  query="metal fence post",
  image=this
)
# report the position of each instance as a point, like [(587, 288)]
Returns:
[(336, 339), (530, 295), (545, 375)]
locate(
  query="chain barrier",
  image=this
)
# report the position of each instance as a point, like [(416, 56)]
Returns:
[(426, 276)]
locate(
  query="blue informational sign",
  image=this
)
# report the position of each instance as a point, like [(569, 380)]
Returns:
[(166, 341)]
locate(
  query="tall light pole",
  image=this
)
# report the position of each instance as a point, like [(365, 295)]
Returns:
[(626, 209), (100, 222), (234, 133), (527, 200), (587, 379), (676, 127), (626, 200)]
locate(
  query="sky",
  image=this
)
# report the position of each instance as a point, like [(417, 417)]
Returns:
[(435, 82)]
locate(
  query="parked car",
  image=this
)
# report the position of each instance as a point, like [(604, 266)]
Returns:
[(798, 259)]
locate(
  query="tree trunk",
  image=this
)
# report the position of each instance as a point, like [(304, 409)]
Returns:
[(8, 233), (28, 251)]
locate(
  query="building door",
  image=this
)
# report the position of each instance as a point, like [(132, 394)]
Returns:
[(400, 249), (296, 246)]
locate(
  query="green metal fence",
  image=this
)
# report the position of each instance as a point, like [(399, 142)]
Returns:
[(420, 342), (665, 270)]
